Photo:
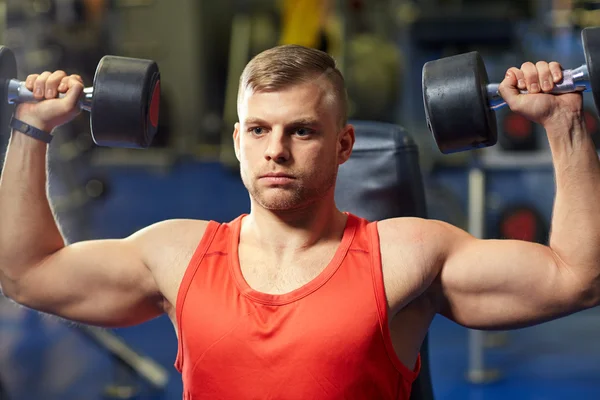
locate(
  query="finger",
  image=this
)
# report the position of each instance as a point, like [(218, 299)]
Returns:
[(30, 81), (556, 71), (74, 80), (40, 85), (53, 82), (508, 88), (64, 84), (74, 92), (77, 77), (531, 77), (67, 81), (544, 75), (521, 84)]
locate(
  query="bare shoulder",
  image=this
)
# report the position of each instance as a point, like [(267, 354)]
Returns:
[(412, 253), (172, 234), (167, 248), (414, 227)]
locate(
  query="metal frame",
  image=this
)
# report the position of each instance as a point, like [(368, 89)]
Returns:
[(477, 371)]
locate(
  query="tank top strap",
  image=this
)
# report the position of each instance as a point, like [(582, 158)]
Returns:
[(203, 246), (382, 305)]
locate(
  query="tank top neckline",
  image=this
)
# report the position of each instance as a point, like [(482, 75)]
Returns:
[(302, 291)]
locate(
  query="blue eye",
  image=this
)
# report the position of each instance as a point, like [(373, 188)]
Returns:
[(257, 130), (302, 131)]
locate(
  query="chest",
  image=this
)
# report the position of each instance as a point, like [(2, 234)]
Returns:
[(330, 330), (221, 307), (318, 337), (279, 274)]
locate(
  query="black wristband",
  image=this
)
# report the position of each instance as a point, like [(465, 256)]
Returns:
[(29, 130)]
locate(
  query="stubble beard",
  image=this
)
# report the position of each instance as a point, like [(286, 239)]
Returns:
[(301, 193)]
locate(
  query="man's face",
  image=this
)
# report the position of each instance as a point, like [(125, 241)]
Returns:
[(290, 145)]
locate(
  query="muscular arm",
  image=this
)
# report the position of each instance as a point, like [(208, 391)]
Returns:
[(491, 284), (505, 283), (101, 282), (104, 282), (107, 282)]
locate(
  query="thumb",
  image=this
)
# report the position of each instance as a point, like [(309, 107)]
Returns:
[(508, 88), (73, 94)]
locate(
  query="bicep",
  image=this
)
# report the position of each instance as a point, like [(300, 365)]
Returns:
[(102, 282), (501, 284)]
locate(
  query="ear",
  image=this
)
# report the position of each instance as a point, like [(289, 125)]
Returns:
[(346, 140), (236, 140)]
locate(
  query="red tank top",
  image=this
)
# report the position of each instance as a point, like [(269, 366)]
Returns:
[(328, 339)]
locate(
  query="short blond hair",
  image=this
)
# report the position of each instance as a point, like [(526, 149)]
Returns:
[(283, 66)]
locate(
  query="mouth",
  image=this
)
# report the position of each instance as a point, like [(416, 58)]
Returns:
[(277, 178), (277, 175)]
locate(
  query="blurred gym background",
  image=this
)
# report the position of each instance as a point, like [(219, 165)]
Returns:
[(190, 171)]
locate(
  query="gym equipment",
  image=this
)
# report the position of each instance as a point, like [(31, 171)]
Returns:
[(374, 72), (517, 133), (593, 125), (123, 102), (8, 68), (302, 22), (460, 102), (522, 222), (150, 371)]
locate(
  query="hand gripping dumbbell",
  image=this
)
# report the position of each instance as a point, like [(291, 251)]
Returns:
[(460, 102), (123, 101)]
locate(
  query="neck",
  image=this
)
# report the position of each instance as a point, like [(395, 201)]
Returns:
[(294, 230)]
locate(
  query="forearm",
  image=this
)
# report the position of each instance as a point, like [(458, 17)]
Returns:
[(28, 232), (575, 234)]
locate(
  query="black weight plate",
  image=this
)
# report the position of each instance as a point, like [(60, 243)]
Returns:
[(590, 37), (456, 103), (125, 103), (8, 71)]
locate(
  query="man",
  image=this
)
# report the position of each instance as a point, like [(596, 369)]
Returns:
[(297, 299)]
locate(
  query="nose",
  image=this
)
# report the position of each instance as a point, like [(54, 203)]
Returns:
[(277, 147)]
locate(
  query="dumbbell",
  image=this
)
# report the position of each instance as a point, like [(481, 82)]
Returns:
[(123, 102), (460, 102)]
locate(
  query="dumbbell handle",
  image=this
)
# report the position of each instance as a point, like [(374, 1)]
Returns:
[(574, 80), (18, 93)]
